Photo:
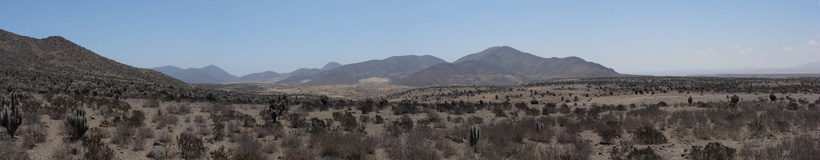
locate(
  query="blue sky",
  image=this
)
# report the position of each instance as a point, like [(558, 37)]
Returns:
[(246, 37)]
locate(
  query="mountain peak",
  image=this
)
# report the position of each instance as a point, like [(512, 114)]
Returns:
[(497, 53), (331, 65), (211, 67)]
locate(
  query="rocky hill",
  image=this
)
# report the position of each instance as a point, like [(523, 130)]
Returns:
[(55, 56)]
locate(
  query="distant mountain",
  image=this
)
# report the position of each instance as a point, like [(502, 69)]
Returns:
[(814, 65), (505, 66), (206, 75), (331, 65), (379, 70), (168, 70), (55, 56), (259, 77)]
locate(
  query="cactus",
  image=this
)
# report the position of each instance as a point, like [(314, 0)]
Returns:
[(277, 107), (475, 133), (539, 126), (11, 117), (76, 118)]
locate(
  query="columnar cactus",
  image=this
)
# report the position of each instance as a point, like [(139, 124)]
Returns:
[(277, 107), (539, 126), (76, 118), (475, 133), (11, 117)]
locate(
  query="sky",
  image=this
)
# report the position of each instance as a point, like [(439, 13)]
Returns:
[(242, 37)]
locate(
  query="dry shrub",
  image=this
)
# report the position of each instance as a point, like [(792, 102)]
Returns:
[(221, 154), (190, 146), (64, 151), (143, 134), (410, 148), (94, 147), (801, 147), (343, 145), (399, 126), (179, 109), (295, 149), (643, 154), (165, 120), (33, 134), (712, 151), (122, 135), (8, 150), (649, 135), (248, 148)]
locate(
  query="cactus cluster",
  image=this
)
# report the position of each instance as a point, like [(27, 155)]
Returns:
[(475, 133), (539, 126), (11, 117), (79, 124), (277, 107)]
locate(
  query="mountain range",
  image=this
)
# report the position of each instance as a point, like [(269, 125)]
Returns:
[(494, 66), (502, 65), (214, 75)]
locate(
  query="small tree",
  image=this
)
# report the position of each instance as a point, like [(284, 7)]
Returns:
[(76, 119), (11, 117)]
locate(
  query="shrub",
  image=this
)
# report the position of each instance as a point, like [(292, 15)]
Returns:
[(122, 135), (248, 148), (643, 154), (10, 151), (649, 135), (607, 134), (712, 151), (344, 146), (95, 148), (347, 120), (399, 126), (221, 154), (190, 146)]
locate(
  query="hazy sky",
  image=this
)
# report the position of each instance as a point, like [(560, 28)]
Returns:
[(246, 37)]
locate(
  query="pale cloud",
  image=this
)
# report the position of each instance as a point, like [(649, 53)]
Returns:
[(706, 53), (741, 50), (788, 48), (813, 43)]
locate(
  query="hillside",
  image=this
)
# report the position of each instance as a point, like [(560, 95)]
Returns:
[(55, 56), (387, 69), (505, 66)]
